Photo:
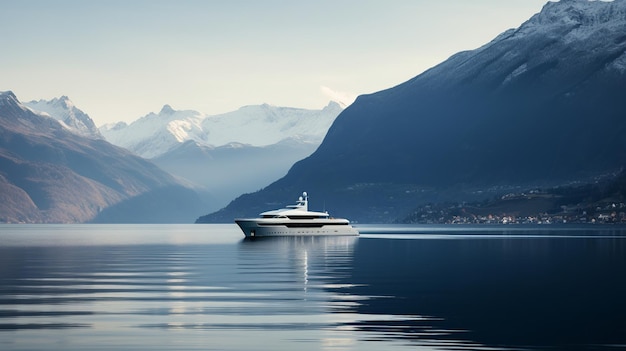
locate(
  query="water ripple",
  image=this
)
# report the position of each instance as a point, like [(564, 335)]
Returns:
[(194, 293)]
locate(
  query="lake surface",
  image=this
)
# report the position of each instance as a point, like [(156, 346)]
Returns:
[(203, 287)]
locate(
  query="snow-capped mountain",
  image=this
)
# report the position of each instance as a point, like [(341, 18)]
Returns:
[(583, 18), (157, 133), (539, 105), (63, 110), (569, 35), (49, 174), (229, 154), (266, 125)]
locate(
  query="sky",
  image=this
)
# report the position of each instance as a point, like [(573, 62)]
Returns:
[(119, 60)]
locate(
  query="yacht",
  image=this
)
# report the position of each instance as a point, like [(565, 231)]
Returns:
[(295, 220)]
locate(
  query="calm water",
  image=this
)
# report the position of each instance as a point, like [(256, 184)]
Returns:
[(203, 287)]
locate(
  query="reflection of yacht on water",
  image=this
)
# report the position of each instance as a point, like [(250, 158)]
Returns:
[(295, 220)]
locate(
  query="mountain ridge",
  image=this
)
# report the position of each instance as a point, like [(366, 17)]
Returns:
[(193, 146), (63, 110), (257, 125), (228, 154), (530, 108), (50, 174)]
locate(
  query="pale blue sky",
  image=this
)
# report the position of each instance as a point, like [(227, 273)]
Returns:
[(121, 59)]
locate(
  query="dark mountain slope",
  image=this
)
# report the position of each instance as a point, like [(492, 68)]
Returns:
[(537, 106), (542, 103), (49, 174)]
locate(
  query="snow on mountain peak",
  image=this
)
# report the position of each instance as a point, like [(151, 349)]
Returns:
[(64, 110), (576, 23), (580, 13), (184, 130), (155, 134), (7, 95), (8, 98), (256, 125), (265, 124)]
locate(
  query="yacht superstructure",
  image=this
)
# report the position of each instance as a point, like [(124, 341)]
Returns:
[(295, 220)]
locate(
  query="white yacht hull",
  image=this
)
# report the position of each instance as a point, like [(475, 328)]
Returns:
[(264, 227)]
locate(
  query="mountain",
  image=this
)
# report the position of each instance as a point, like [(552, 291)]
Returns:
[(155, 134), (64, 110), (49, 174), (229, 154), (539, 105)]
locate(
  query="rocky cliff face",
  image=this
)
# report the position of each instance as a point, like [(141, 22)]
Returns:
[(539, 105)]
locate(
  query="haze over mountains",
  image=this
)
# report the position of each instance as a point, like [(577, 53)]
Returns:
[(207, 176), (229, 154), (540, 105)]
